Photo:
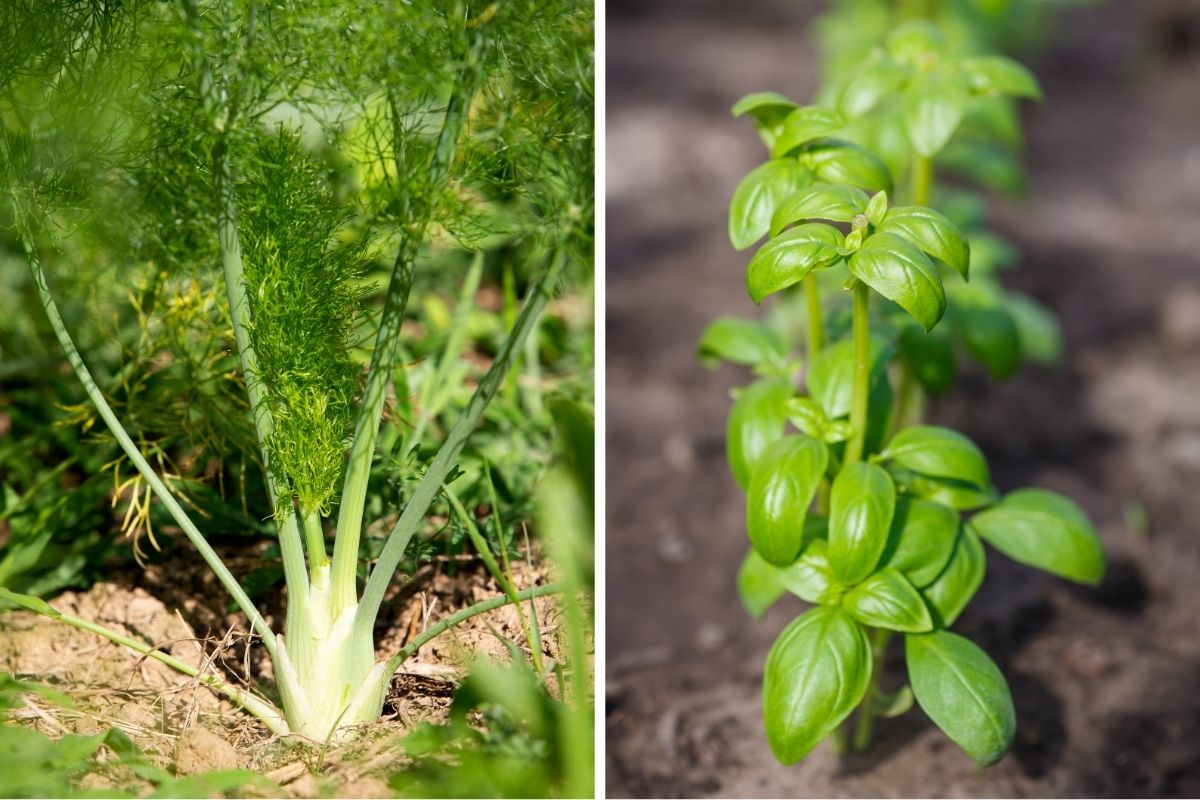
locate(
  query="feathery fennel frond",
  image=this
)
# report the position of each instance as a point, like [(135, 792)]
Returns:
[(304, 295)]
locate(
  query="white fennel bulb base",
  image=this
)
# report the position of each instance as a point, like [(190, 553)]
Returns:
[(328, 678)]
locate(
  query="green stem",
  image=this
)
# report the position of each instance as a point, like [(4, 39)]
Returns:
[(837, 740), (922, 179), (123, 439), (314, 542), (862, 371), (816, 330), (387, 339), (271, 716), (433, 631), (866, 717), (431, 483)]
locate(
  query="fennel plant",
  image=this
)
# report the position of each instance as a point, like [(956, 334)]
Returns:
[(445, 108)]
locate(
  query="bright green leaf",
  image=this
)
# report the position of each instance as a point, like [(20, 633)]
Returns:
[(757, 418), (903, 274), (890, 705), (998, 75), (819, 201), (803, 125), (758, 584), (914, 42), (1045, 530), (940, 453), (759, 195), (782, 486), (961, 495), (931, 232), (836, 162), (888, 600), (790, 256), (960, 579), (861, 505), (810, 576), (963, 692), (877, 208), (768, 108), (875, 81), (933, 107), (742, 341), (816, 674), (921, 540)]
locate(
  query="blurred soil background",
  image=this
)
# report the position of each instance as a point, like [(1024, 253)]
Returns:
[(1107, 681)]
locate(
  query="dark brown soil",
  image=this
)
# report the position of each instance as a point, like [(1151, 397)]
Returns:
[(1107, 681)]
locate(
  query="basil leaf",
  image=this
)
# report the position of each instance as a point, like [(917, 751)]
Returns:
[(931, 232), (914, 41), (758, 195), (929, 357), (816, 674), (921, 540), (963, 692), (757, 418), (997, 75), (901, 273), (819, 201), (869, 85), (768, 108), (805, 124), (933, 107), (839, 162), (990, 335), (1044, 530), (742, 341), (949, 594), (861, 505), (790, 256), (940, 453), (889, 705), (949, 492), (782, 486), (1037, 329), (810, 576), (830, 375), (888, 600), (877, 208), (758, 584)]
